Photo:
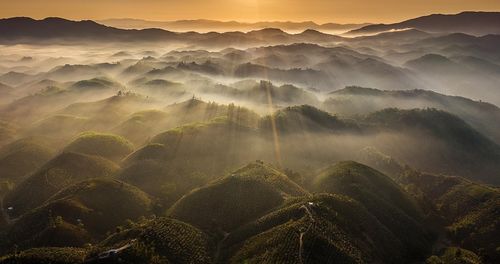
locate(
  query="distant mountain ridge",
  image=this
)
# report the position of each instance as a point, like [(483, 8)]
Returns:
[(215, 25), (23, 28), (28, 30), (474, 23)]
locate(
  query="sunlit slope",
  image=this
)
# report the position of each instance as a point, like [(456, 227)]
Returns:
[(209, 148), (108, 146), (307, 119), (143, 125)]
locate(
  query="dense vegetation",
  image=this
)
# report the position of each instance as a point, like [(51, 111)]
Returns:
[(66, 169)]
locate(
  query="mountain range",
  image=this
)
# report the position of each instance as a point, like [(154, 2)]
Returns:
[(205, 25), (474, 23), (23, 29)]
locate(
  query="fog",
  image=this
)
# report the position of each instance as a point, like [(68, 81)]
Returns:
[(59, 91), (219, 143)]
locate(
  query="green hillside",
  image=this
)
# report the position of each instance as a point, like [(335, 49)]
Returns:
[(209, 148), (80, 213), (164, 240), (60, 172), (451, 146), (382, 197), (232, 201), (23, 156), (142, 125), (195, 110), (318, 229), (306, 118), (95, 84), (108, 146), (46, 256), (159, 180), (352, 100), (469, 210)]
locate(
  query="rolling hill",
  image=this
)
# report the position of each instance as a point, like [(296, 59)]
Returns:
[(108, 146), (381, 196), (469, 210), (23, 156), (60, 172), (232, 201), (160, 240), (323, 227), (79, 214), (459, 143), (353, 100)]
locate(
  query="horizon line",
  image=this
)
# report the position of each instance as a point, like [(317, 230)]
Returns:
[(244, 21)]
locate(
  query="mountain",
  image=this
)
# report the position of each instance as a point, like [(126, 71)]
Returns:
[(28, 30), (203, 25), (23, 28), (474, 23), (469, 76)]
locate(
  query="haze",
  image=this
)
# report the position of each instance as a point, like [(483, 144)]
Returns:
[(321, 11), (134, 141)]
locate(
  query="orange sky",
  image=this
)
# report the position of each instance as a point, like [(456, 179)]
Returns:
[(342, 11)]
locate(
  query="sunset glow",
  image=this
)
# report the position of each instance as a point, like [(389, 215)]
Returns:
[(340, 11)]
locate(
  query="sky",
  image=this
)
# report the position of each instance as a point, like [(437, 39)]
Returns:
[(321, 11)]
